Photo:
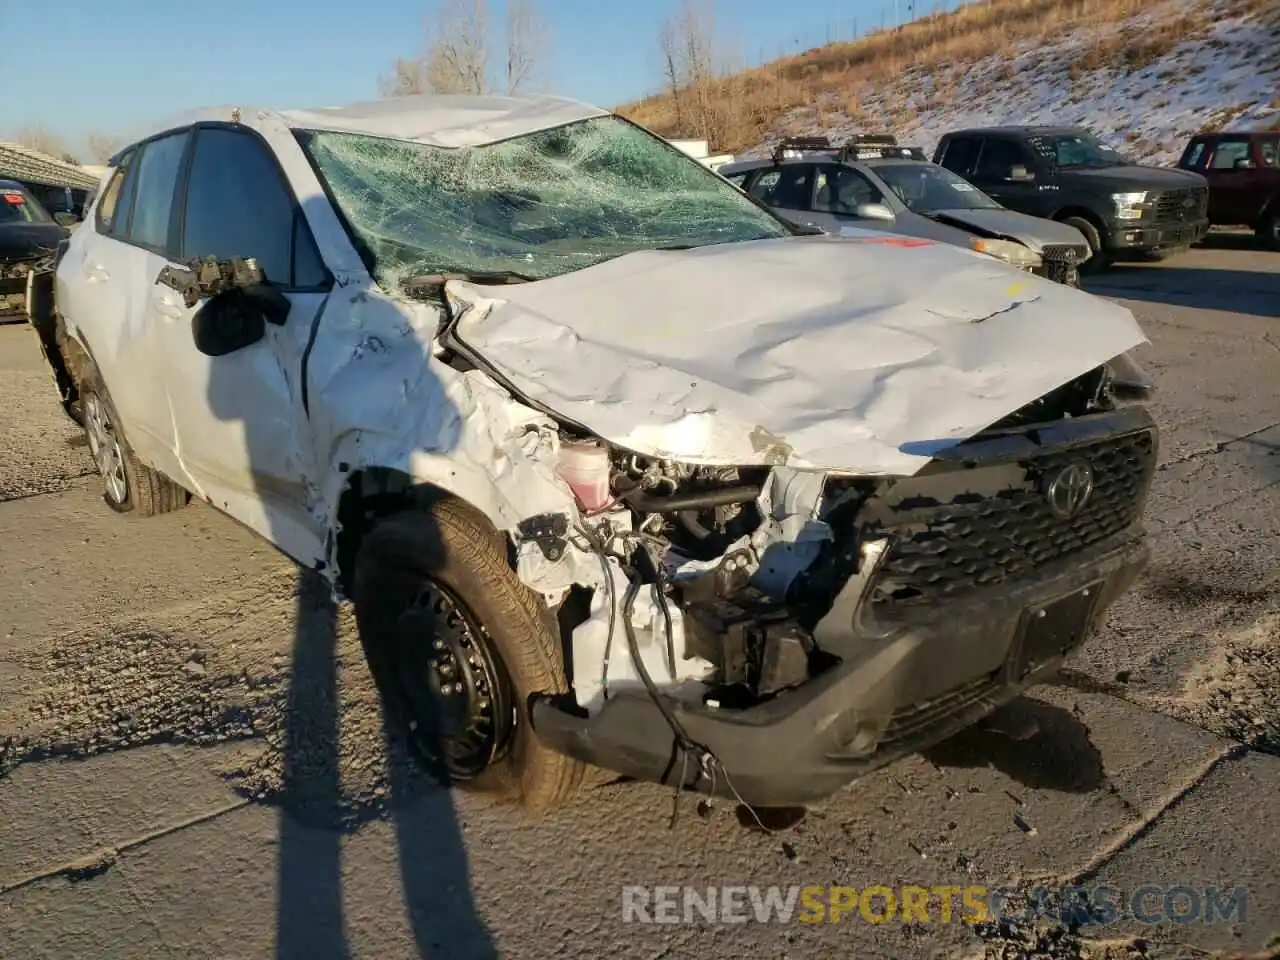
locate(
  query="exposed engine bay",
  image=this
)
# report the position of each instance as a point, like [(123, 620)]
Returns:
[(711, 584)]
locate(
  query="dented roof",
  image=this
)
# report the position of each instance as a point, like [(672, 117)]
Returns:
[(435, 119)]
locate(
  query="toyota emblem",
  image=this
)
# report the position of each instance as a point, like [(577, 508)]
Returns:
[(1069, 489)]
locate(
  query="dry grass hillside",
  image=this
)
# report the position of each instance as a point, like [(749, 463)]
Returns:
[(1142, 73)]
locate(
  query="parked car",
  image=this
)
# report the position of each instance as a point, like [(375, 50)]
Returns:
[(1243, 171), (28, 240), (616, 465), (1067, 174), (873, 183)]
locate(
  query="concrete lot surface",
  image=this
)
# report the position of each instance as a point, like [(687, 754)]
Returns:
[(193, 763)]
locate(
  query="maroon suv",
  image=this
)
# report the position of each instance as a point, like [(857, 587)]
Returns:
[(1243, 170)]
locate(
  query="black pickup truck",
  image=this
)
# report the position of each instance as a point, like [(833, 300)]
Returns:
[(1067, 174), (29, 238)]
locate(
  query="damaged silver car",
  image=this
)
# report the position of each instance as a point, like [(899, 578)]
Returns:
[(617, 466)]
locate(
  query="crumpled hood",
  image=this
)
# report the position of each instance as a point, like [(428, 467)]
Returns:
[(1032, 232), (865, 353)]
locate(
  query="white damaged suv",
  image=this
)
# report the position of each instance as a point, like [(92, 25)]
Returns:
[(616, 466)]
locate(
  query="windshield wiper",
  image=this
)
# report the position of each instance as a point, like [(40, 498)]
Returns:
[(432, 284)]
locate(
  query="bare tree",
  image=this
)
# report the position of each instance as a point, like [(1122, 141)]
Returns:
[(527, 38), (456, 56), (673, 70), (102, 147), (695, 71), (38, 138), (408, 77)]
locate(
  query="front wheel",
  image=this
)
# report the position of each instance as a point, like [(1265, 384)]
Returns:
[(1098, 260), (459, 649)]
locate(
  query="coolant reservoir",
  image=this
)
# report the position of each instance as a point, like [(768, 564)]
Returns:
[(584, 466)]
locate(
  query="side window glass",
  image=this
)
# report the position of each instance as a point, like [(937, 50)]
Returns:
[(842, 190), (737, 179), (1227, 153), (786, 187), (960, 154), (765, 184), (105, 219), (1195, 155), (1269, 150), (998, 159), (238, 206), (157, 180), (308, 266)]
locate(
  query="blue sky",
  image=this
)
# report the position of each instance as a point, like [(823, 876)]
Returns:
[(80, 66)]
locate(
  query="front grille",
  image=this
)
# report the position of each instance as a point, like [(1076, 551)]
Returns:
[(1060, 262), (1072, 252), (942, 549), (1172, 205), (913, 720)]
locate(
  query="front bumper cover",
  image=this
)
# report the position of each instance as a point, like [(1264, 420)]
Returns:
[(904, 691), (1155, 237)]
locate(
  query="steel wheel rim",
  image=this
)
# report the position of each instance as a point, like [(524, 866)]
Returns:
[(104, 447), (449, 673)]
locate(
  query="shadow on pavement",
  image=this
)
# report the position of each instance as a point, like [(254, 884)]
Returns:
[(276, 463), (1039, 745), (1202, 288)]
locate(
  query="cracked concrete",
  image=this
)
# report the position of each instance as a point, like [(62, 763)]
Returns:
[(176, 780)]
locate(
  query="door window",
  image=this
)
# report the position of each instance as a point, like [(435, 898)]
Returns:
[(843, 190), (998, 159), (238, 205), (960, 154), (157, 179), (1227, 153), (786, 186), (1269, 152), (1194, 155), (113, 211)]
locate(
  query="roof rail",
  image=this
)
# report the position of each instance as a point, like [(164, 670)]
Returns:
[(873, 146), (798, 146), (872, 140)]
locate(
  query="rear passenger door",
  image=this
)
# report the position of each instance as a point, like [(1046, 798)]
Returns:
[(239, 419), (103, 290), (1235, 186)]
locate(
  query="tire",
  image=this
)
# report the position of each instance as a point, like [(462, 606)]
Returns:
[(432, 588), (1099, 259), (128, 486), (1269, 230)]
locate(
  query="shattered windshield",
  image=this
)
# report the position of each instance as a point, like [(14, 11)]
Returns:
[(926, 187), (537, 206)]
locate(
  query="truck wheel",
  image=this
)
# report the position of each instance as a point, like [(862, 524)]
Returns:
[(128, 486), (1269, 229), (458, 648), (1098, 260)]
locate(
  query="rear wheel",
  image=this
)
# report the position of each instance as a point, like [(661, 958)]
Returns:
[(128, 486), (459, 649), (1269, 229), (1098, 260)]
